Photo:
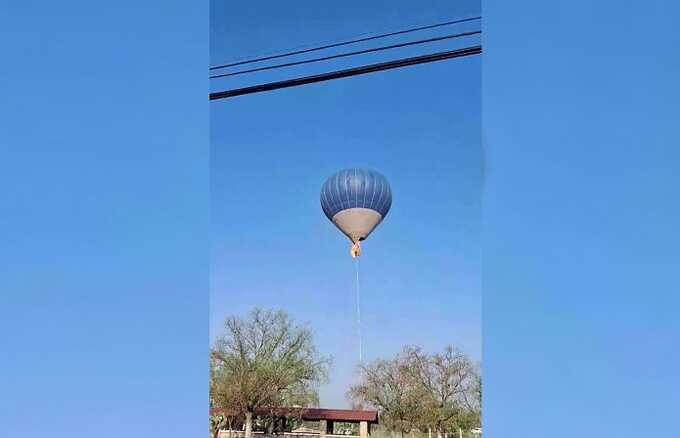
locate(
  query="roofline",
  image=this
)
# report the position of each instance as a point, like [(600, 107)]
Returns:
[(313, 414)]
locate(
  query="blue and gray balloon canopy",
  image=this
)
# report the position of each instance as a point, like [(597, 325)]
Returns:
[(356, 201)]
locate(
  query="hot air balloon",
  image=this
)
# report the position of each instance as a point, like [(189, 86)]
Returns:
[(356, 201)]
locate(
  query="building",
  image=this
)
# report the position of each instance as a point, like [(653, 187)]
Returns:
[(325, 417)]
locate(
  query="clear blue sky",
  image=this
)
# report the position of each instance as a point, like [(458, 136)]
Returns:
[(420, 126), (581, 219), (104, 215), (103, 219)]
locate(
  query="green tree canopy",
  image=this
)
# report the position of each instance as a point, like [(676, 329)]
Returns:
[(263, 362)]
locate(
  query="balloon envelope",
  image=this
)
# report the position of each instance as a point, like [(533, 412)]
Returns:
[(356, 201)]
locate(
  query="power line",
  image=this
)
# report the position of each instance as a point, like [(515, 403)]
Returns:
[(344, 43), (338, 74), (323, 43), (343, 55)]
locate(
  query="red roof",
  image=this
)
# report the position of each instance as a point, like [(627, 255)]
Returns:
[(314, 414)]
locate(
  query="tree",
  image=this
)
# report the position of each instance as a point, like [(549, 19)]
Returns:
[(419, 391), (473, 402), (222, 394), (217, 422), (388, 385), (449, 380), (264, 362)]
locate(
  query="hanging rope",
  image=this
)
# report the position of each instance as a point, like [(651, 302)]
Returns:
[(358, 298)]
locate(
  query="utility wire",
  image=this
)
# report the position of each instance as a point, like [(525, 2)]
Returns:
[(344, 43), (344, 55), (321, 43), (338, 74)]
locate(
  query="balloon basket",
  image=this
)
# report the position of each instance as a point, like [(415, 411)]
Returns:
[(355, 251)]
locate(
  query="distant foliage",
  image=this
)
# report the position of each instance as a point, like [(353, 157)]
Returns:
[(217, 423), (416, 391)]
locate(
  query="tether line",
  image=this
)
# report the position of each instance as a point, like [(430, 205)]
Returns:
[(358, 298)]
